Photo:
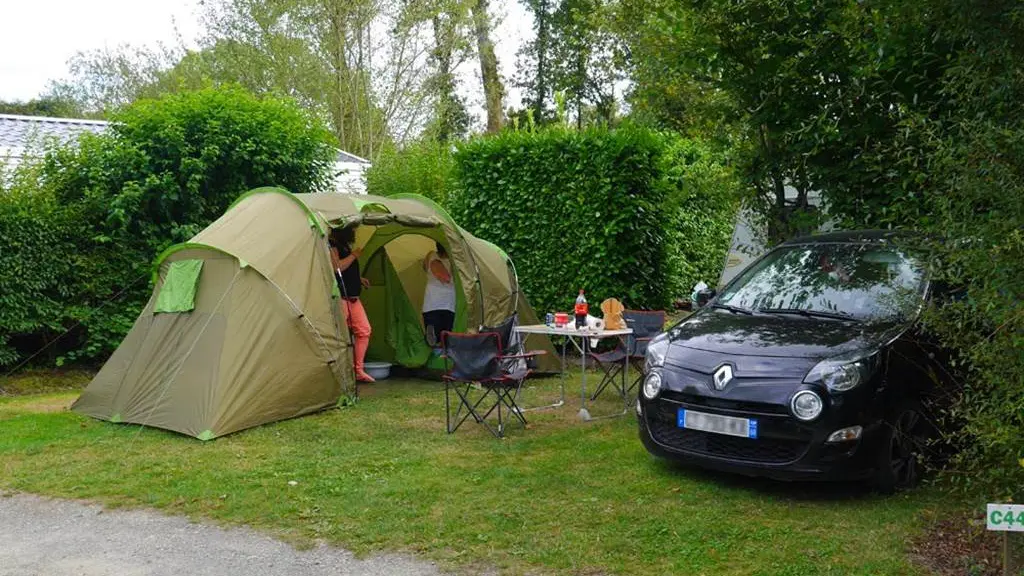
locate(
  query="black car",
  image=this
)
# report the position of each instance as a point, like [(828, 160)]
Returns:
[(806, 366)]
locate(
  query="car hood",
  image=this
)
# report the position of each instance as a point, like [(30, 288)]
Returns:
[(776, 335)]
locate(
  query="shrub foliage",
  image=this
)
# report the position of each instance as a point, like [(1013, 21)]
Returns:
[(625, 214), (419, 168), (82, 228)]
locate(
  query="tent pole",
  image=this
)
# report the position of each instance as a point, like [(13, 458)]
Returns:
[(515, 289)]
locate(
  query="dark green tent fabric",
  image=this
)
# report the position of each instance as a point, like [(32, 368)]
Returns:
[(396, 319)]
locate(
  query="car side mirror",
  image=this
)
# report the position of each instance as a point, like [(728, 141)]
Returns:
[(705, 296)]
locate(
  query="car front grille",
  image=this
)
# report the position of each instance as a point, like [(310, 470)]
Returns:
[(726, 406), (661, 419)]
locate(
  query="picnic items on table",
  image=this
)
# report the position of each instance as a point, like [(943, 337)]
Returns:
[(579, 339), (581, 309), (612, 311), (594, 324)]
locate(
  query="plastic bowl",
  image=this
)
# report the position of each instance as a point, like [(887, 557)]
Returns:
[(378, 370)]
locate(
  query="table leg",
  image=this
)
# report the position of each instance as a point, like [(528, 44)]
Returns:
[(561, 382), (583, 364), (625, 384), (584, 414)]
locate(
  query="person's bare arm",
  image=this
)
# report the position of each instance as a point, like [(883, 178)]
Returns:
[(343, 263), (439, 272)]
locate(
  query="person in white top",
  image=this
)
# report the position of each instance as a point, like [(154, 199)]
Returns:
[(439, 298)]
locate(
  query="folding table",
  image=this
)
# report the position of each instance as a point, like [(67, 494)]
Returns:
[(579, 339)]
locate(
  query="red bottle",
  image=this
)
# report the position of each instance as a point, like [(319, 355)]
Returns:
[(581, 310)]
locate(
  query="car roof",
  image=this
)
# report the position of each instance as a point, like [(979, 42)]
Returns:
[(851, 237)]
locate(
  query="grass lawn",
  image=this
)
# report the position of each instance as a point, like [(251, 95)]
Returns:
[(561, 496)]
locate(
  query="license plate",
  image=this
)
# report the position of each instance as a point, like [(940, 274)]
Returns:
[(716, 424)]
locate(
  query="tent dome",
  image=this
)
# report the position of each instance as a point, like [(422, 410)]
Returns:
[(244, 325)]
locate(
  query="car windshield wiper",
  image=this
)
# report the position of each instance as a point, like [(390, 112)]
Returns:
[(733, 309), (808, 313)]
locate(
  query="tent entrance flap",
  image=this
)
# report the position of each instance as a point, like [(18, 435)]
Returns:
[(394, 299), (397, 333)]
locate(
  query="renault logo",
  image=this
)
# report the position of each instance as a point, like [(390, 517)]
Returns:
[(722, 376)]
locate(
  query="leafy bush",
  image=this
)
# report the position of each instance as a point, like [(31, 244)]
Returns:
[(36, 262), (704, 197), (951, 166), (88, 222), (419, 168), (614, 212), (171, 166)]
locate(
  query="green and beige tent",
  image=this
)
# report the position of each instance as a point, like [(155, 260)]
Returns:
[(244, 326)]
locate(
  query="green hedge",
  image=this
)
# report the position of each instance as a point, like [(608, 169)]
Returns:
[(81, 229), (613, 212), (36, 262), (704, 196), (423, 168)]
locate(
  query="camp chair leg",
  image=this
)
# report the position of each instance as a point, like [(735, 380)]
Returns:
[(464, 401), (638, 365), (508, 398), (610, 373), (500, 431), (472, 409), (503, 396), (496, 405)]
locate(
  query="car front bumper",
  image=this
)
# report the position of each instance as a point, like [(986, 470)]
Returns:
[(786, 450)]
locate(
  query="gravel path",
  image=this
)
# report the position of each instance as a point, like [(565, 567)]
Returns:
[(42, 537)]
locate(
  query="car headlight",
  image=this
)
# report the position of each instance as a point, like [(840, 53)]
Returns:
[(844, 372), (652, 385), (657, 349), (806, 405)]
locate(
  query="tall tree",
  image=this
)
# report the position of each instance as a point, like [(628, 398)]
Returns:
[(786, 68), (45, 105), (494, 89), (450, 24), (335, 56), (104, 80), (534, 74), (360, 64), (585, 54)]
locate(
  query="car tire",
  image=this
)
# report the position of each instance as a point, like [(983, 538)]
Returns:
[(904, 439)]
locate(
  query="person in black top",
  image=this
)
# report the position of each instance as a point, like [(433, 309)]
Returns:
[(345, 260)]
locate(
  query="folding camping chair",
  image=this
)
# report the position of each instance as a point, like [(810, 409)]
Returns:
[(645, 325), (512, 345), (478, 359), (513, 349)]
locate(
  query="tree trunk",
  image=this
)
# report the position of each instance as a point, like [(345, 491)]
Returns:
[(443, 82), (543, 37), (778, 226), (581, 79), (493, 89), (340, 73)]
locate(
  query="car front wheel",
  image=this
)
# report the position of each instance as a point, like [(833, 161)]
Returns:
[(901, 453)]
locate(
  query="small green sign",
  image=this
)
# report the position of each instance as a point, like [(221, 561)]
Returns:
[(1005, 517)]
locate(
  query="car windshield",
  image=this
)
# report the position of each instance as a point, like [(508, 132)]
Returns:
[(845, 280)]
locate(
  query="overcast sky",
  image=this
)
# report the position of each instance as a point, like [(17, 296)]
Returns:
[(39, 36)]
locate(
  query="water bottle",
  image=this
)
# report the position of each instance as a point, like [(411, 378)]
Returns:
[(581, 310)]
